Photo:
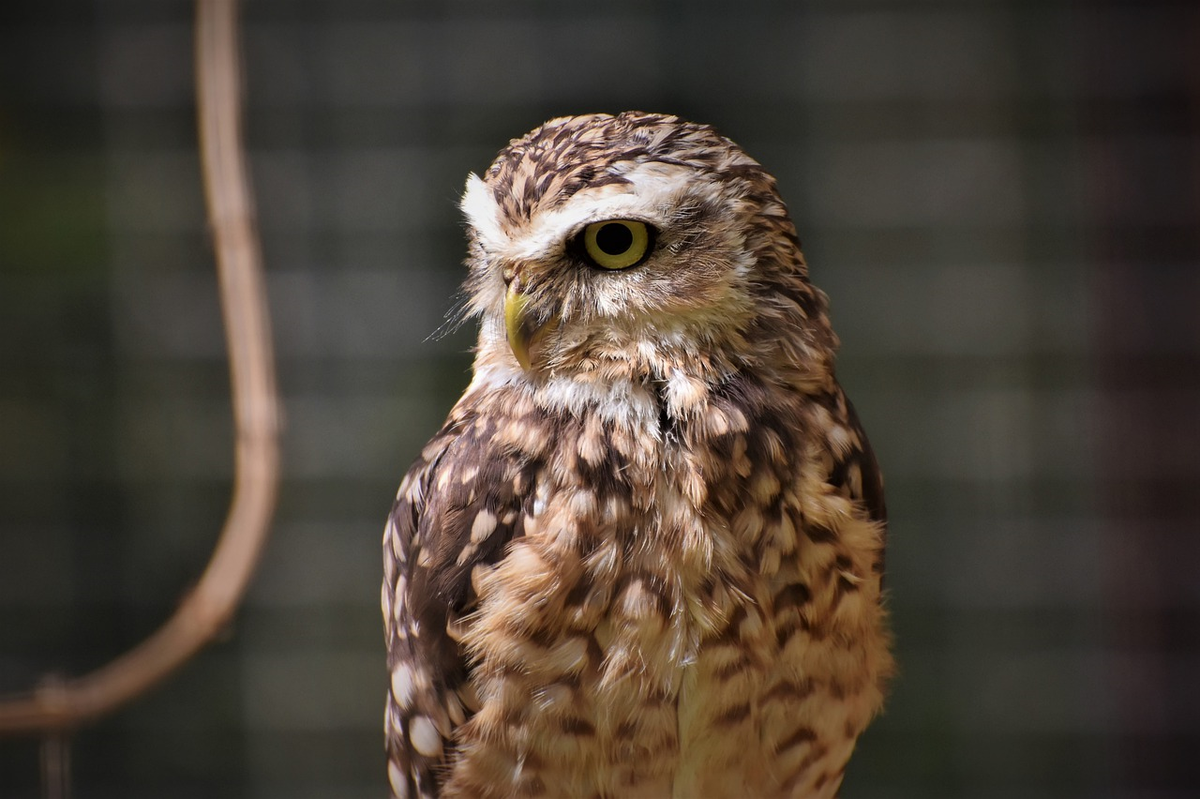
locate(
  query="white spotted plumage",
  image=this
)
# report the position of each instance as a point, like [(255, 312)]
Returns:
[(643, 556)]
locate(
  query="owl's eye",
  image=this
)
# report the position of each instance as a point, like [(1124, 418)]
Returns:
[(616, 243)]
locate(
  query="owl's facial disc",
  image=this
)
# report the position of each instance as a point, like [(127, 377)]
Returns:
[(575, 280)]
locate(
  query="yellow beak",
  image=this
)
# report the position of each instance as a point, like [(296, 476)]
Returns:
[(522, 331)]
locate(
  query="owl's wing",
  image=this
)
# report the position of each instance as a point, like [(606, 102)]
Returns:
[(857, 473), (871, 491), (456, 510)]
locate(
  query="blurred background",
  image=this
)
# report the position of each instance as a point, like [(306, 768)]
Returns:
[(1001, 197)]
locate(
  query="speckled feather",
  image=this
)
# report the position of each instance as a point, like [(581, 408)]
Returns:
[(651, 564)]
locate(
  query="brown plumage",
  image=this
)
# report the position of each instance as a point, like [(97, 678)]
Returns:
[(643, 556)]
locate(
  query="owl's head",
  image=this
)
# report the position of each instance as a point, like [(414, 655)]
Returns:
[(635, 246)]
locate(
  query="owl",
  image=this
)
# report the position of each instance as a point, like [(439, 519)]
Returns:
[(643, 556)]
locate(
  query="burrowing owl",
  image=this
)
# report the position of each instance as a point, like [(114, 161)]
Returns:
[(643, 556)]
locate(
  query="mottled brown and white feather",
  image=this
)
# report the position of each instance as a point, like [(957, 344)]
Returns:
[(649, 565)]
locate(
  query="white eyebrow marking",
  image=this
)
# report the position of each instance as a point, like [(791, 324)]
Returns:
[(481, 210), (653, 191)]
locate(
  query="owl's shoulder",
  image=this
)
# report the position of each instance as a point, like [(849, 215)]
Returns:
[(460, 502), (458, 507)]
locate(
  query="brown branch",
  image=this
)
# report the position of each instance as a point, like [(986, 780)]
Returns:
[(63, 704)]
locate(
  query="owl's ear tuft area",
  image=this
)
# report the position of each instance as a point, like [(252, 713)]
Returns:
[(479, 206)]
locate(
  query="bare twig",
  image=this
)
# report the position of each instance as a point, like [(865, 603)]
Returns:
[(62, 705)]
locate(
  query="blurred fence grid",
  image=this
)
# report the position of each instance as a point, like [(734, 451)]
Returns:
[(1002, 199)]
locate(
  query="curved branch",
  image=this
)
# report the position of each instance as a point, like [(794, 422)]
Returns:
[(64, 704)]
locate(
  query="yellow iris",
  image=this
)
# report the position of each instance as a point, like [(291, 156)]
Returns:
[(616, 243)]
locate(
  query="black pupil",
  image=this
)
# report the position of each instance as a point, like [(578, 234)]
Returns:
[(614, 239)]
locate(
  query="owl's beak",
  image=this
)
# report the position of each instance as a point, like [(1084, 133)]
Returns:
[(523, 330)]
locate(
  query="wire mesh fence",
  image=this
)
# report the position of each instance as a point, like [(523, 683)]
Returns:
[(1001, 199)]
